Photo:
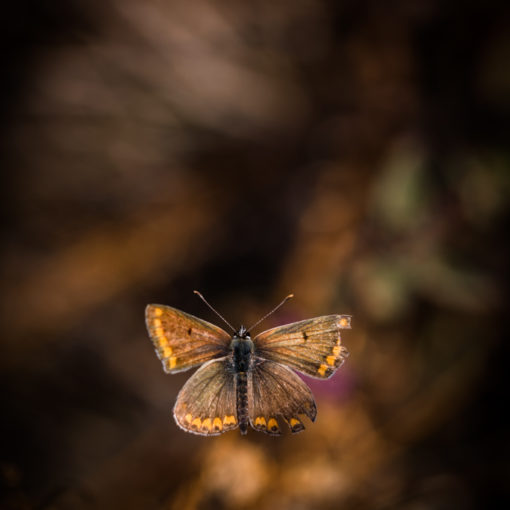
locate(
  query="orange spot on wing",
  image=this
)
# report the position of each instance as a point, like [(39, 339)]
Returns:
[(188, 418), (166, 352), (336, 350), (272, 425), (159, 332), (260, 421), (322, 370), (158, 312), (196, 423), (217, 423), (227, 420), (156, 323), (162, 341), (207, 424), (345, 322), (331, 360), (171, 362), (296, 425)]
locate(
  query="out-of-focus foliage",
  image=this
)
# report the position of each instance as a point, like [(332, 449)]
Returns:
[(354, 153)]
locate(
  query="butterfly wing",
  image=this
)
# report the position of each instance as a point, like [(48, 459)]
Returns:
[(183, 341), (312, 346), (206, 404), (275, 391)]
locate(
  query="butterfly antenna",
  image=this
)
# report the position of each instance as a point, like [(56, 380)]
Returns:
[(290, 296), (215, 311)]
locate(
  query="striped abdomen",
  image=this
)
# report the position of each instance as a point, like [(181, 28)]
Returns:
[(242, 401), (242, 351)]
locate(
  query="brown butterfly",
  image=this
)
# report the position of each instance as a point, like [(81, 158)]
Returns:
[(242, 381)]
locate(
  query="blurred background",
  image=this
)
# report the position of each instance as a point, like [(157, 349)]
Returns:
[(352, 152)]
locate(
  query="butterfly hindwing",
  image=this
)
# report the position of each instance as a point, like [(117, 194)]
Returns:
[(312, 346), (183, 341), (275, 391), (206, 404)]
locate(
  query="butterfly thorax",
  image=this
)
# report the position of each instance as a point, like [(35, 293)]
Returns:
[(242, 351)]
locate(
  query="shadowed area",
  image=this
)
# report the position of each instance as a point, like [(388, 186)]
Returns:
[(352, 153)]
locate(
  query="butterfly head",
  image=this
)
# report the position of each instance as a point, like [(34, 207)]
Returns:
[(242, 332)]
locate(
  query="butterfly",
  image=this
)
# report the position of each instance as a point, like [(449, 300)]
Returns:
[(242, 381)]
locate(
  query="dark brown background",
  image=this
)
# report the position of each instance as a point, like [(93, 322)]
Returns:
[(354, 153)]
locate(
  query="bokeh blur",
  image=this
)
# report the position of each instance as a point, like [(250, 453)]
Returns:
[(355, 153)]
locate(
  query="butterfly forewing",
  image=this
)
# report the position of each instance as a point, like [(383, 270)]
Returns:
[(206, 404), (274, 391), (183, 341), (312, 346)]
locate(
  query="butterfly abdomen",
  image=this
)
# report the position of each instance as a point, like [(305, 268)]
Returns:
[(242, 401), (242, 350)]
